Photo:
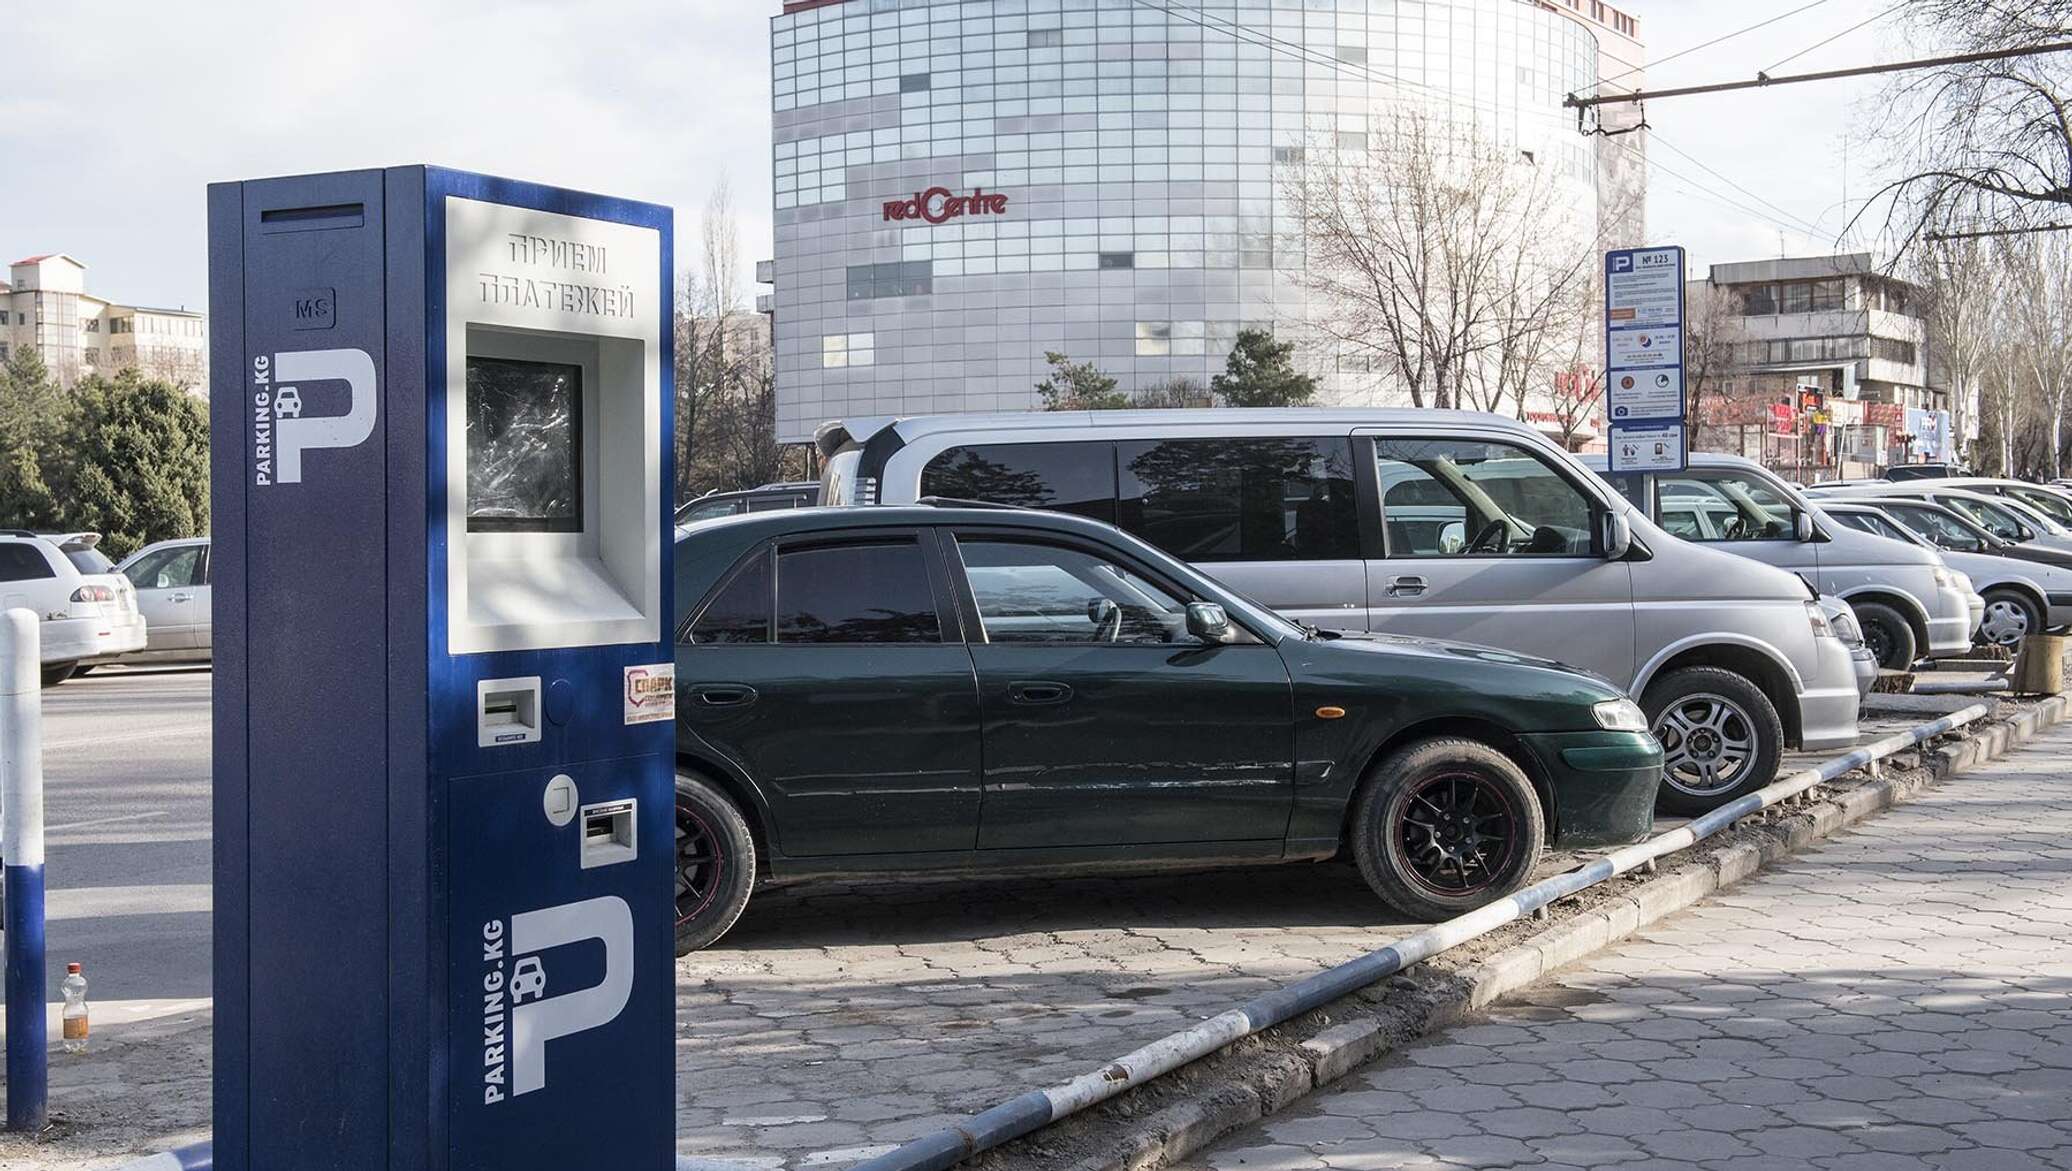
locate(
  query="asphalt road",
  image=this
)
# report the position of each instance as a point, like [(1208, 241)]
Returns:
[(126, 815)]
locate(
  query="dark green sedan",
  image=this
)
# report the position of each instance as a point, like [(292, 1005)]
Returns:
[(928, 689)]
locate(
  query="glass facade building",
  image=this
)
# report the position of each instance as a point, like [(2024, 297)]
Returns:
[(965, 185)]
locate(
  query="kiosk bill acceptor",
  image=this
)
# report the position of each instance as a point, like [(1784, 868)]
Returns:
[(444, 703)]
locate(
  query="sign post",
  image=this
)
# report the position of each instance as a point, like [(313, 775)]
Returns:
[(1644, 358)]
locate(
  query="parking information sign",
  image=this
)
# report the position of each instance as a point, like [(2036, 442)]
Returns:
[(1644, 356)]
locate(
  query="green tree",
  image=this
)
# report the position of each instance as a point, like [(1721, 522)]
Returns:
[(138, 462), (32, 414), (1259, 373), (1078, 386)]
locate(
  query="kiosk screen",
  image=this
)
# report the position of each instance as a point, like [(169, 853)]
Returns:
[(525, 451)]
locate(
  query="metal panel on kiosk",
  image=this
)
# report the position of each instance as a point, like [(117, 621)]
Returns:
[(443, 696)]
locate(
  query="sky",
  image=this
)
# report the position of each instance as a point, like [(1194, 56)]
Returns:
[(116, 115)]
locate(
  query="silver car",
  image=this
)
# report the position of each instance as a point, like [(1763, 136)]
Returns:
[(1909, 603), (172, 582), (1447, 524), (2023, 589)]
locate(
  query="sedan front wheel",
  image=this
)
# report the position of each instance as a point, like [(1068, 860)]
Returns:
[(715, 864), (1444, 826)]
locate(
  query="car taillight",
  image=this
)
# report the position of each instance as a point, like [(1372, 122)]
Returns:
[(93, 593)]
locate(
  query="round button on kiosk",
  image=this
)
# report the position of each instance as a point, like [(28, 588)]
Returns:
[(561, 701), (560, 800)]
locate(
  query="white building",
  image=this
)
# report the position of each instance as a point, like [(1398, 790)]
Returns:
[(964, 185), (44, 304)]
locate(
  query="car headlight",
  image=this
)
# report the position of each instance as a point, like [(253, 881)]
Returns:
[(1620, 715), (1818, 617), (1846, 627)]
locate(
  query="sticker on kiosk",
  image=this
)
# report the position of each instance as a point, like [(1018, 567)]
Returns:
[(651, 693)]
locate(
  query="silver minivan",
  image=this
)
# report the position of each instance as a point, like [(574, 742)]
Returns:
[(1910, 604), (1444, 524)]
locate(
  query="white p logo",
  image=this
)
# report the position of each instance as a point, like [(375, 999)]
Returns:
[(534, 1023), (294, 434)]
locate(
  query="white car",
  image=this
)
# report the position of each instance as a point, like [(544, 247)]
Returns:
[(172, 584), (87, 611)]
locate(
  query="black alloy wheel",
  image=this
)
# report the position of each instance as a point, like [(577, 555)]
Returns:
[(1458, 832), (715, 864), (1443, 826)]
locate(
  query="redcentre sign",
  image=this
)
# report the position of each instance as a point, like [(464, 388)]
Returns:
[(939, 205)]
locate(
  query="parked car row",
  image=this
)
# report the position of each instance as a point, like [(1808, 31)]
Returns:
[(1178, 637), (153, 606)]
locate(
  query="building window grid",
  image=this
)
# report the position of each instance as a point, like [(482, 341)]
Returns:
[(1021, 97)]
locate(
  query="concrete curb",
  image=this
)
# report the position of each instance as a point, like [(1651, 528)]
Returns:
[(1174, 1131)]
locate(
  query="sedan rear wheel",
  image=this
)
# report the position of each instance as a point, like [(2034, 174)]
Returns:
[(1444, 826)]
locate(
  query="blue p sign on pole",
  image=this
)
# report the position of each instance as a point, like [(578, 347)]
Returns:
[(21, 844)]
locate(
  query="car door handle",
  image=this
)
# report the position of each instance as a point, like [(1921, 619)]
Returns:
[(182, 598), (723, 695), (1038, 692), (1400, 586)]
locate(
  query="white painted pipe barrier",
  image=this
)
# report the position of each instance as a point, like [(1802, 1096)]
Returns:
[(1035, 1109), (21, 847)]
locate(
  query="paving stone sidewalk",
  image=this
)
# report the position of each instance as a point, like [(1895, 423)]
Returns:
[(1897, 998)]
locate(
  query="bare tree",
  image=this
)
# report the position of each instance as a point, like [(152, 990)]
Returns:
[(2040, 270), (1712, 328), (1434, 252), (726, 407), (1985, 145), (1961, 304)]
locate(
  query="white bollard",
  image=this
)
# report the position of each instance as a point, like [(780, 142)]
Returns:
[(21, 848)]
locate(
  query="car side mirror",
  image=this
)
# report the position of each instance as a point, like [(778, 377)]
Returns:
[(1618, 536), (1802, 526), (1452, 536), (1207, 622)]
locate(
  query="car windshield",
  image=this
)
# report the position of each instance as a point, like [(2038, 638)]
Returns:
[(2050, 504), (1996, 519), (1944, 528), (1877, 526)]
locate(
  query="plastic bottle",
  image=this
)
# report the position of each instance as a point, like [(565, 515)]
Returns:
[(74, 989)]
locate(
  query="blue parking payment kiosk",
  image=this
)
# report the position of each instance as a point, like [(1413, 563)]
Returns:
[(444, 704)]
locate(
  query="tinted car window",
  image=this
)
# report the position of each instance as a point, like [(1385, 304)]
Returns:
[(1046, 593), (741, 611), (21, 561), (1063, 477), (1241, 499), (865, 593), (1464, 497), (89, 560), (166, 569)]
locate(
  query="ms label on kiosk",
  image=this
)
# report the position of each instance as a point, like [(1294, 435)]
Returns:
[(440, 521)]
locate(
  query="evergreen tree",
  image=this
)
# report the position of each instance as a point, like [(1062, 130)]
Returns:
[(137, 467), (1260, 374), (32, 413), (1078, 386)]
